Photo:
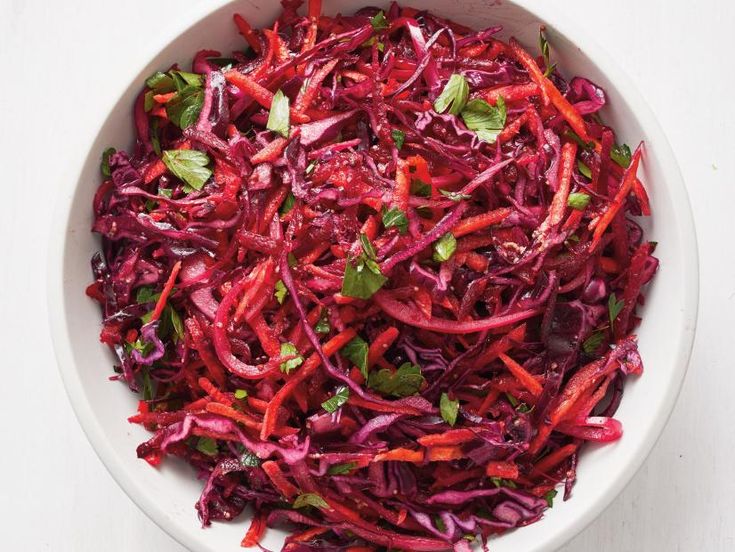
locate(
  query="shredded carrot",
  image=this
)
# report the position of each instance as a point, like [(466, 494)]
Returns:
[(381, 343), (522, 375), (478, 222), (168, 286)]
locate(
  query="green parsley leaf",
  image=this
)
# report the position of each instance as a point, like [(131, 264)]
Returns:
[(155, 138), (405, 381), (176, 323), (439, 523), (486, 120), (207, 446), (444, 248), (288, 349), (322, 327), (287, 204), (621, 155), (189, 166), (367, 247), (524, 408), (448, 409), (291, 259), (454, 196), (420, 188), (146, 295), (310, 499), (339, 398), (184, 108), (249, 460), (160, 82), (578, 200), (182, 79), (614, 307), (240, 394), (279, 116), (165, 192), (500, 482), (549, 497), (379, 22), (105, 164), (544, 47), (149, 386), (576, 138), (362, 278), (394, 217), (399, 137), (512, 400), (372, 41), (280, 292), (454, 96), (584, 170), (356, 351), (342, 469), (148, 101), (593, 342)]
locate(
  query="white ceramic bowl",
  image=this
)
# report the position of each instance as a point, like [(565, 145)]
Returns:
[(168, 494)]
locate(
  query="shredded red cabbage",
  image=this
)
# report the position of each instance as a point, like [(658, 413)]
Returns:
[(374, 276)]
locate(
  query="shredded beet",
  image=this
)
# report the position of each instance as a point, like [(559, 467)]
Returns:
[(375, 277)]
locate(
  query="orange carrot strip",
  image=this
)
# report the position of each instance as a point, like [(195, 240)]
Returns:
[(473, 224), (551, 93), (309, 92), (265, 335), (512, 92), (451, 437), (477, 262), (488, 401), (154, 171), (559, 202), (531, 66), (168, 286), (403, 186), (213, 392), (553, 459), (617, 202), (258, 92), (381, 343), (255, 531), (309, 534), (444, 453), (506, 470), (270, 152), (513, 128), (400, 455), (247, 32), (164, 98), (525, 378), (231, 413), (307, 369), (274, 473)]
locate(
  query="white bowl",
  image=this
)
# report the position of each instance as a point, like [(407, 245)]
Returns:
[(168, 494)]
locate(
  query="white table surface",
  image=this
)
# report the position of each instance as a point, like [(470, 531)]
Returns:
[(58, 63)]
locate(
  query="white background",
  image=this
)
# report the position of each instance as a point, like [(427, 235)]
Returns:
[(58, 64)]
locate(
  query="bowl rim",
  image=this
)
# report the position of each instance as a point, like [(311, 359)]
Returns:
[(674, 186)]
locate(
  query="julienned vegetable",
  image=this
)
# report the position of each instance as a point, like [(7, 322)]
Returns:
[(374, 277)]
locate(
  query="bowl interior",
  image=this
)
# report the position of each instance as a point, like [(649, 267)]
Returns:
[(168, 494)]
